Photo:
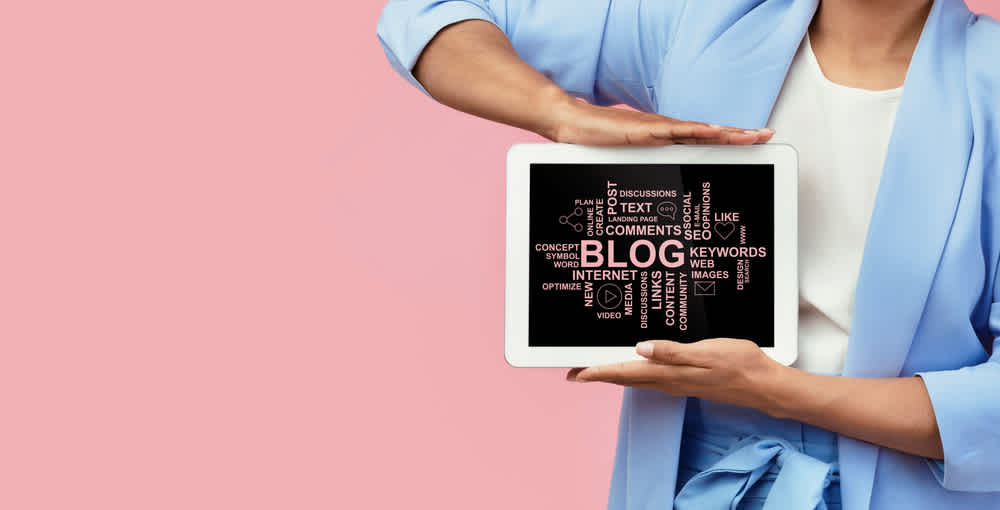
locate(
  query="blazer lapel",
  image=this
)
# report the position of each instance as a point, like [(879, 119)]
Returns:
[(914, 208)]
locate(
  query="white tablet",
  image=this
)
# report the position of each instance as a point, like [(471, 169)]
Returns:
[(609, 246)]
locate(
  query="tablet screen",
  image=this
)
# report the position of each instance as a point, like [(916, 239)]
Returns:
[(627, 252)]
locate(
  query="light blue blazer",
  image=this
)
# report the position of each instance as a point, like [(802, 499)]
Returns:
[(927, 294)]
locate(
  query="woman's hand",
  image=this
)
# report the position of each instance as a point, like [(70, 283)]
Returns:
[(578, 122), (719, 369)]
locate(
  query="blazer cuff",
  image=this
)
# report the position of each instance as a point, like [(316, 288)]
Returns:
[(404, 35), (966, 404)]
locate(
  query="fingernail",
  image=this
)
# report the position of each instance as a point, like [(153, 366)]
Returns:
[(644, 349), (716, 126), (767, 131), (750, 132)]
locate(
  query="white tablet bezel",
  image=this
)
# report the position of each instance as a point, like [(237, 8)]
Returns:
[(519, 159)]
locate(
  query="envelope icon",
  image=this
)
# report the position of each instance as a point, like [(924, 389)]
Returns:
[(704, 288)]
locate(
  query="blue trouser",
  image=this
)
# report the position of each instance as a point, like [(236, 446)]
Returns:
[(737, 458)]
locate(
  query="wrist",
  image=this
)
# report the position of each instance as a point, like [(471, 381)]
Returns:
[(557, 109), (780, 390)]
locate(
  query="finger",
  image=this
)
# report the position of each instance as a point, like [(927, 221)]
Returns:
[(723, 129), (740, 138), (704, 131), (765, 135), (644, 137), (722, 138), (631, 373), (762, 135), (671, 131), (635, 371), (694, 141), (671, 353), (679, 129), (745, 137), (571, 375)]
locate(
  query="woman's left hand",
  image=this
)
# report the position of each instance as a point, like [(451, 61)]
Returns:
[(718, 369)]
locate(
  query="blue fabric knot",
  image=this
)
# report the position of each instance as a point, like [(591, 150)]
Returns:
[(799, 484)]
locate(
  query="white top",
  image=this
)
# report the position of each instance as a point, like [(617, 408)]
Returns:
[(842, 135)]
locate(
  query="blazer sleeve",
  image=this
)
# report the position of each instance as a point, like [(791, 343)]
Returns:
[(966, 400), (966, 404), (605, 51)]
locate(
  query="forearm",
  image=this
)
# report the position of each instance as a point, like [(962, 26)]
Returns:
[(471, 66), (893, 412)]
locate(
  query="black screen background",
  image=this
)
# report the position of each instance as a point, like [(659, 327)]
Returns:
[(559, 319)]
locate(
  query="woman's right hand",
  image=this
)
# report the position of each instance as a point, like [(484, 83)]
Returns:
[(578, 122)]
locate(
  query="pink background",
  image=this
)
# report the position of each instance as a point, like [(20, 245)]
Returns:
[(204, 298)]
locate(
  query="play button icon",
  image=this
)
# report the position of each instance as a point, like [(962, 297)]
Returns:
[(609, 296)]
